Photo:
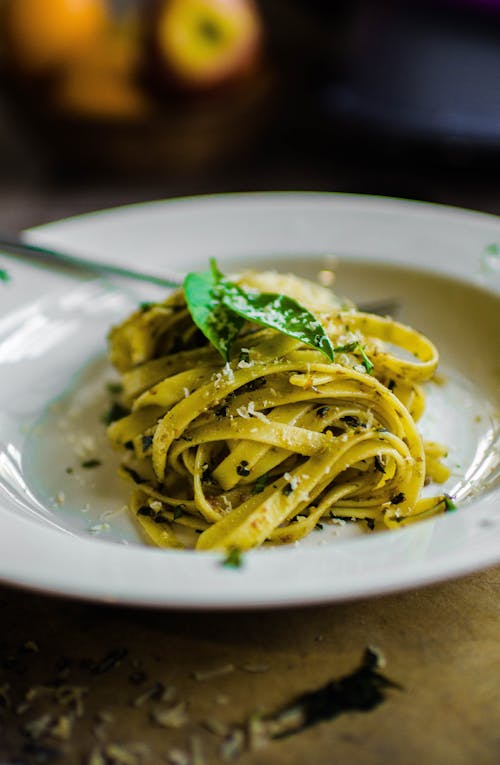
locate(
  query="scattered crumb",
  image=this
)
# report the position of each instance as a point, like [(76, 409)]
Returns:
[(217, 727), (177, 757), (197, 756), (257, 732), (207, 674), (170, 717), (255, 668), (31, 646), (99, 528), (233, 745)]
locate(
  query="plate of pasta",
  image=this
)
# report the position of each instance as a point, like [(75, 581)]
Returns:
[(312, 416)]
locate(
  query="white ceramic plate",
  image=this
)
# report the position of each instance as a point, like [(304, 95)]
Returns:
[(62, 529)]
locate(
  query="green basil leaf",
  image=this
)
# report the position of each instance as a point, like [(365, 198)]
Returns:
[(279, 312), (365, 360), (219, 324), (356, 346)]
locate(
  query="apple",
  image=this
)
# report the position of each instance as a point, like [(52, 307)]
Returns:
[(203, 44)]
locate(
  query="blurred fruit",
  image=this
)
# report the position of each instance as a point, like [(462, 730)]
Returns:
[(42, 35), (103, 83), (96, 95), (202, 44)]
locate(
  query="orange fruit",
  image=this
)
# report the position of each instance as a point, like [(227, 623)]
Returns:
[(43, 35), (103, 83), (104, 96)]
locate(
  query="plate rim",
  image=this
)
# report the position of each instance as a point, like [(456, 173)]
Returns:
[(440, 208), (468, 563)]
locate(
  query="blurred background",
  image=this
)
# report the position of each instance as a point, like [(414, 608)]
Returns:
[(105, 102)]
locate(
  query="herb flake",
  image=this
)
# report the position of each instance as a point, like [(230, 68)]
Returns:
[(115, 412), (356, 347), (87, 464), (398, 498), (260, 484), (361, 691), (242, 469), (449, 505), (233, 559)]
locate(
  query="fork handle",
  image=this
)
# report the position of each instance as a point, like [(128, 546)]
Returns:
[(16, 245)]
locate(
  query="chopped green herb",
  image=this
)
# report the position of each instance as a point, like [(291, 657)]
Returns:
[(492, 249), (349, 348), (253, 385), (353, 422), (391, 384), (379, 465), (319, 527), (146, 511), (4, 276), (221, 412), (233, 559), (90, 463), (178, 512), (69, 470), (114, 387), (361, 691), (368, 365), (146, 442), (449, 505), (398, 498), (260, 484), (244, 355), (135, 476), (322, 410), (115, 412), (160, 518), (111, 660), (356, 346), (145, 306), (287, 489), (242, 469)]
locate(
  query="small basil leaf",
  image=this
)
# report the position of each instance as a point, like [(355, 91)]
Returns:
[(204, 300), (217, 276), (367, 363), (356, 346), (279, 312)]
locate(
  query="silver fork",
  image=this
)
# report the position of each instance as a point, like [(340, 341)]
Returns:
[(16, 245)]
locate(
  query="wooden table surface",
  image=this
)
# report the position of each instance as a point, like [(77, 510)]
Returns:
[(83, 683), (102, 668)]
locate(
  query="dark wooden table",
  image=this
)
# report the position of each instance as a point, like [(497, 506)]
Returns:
[(105, 671)]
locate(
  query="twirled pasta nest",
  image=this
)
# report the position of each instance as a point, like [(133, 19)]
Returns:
[(265, 447)]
